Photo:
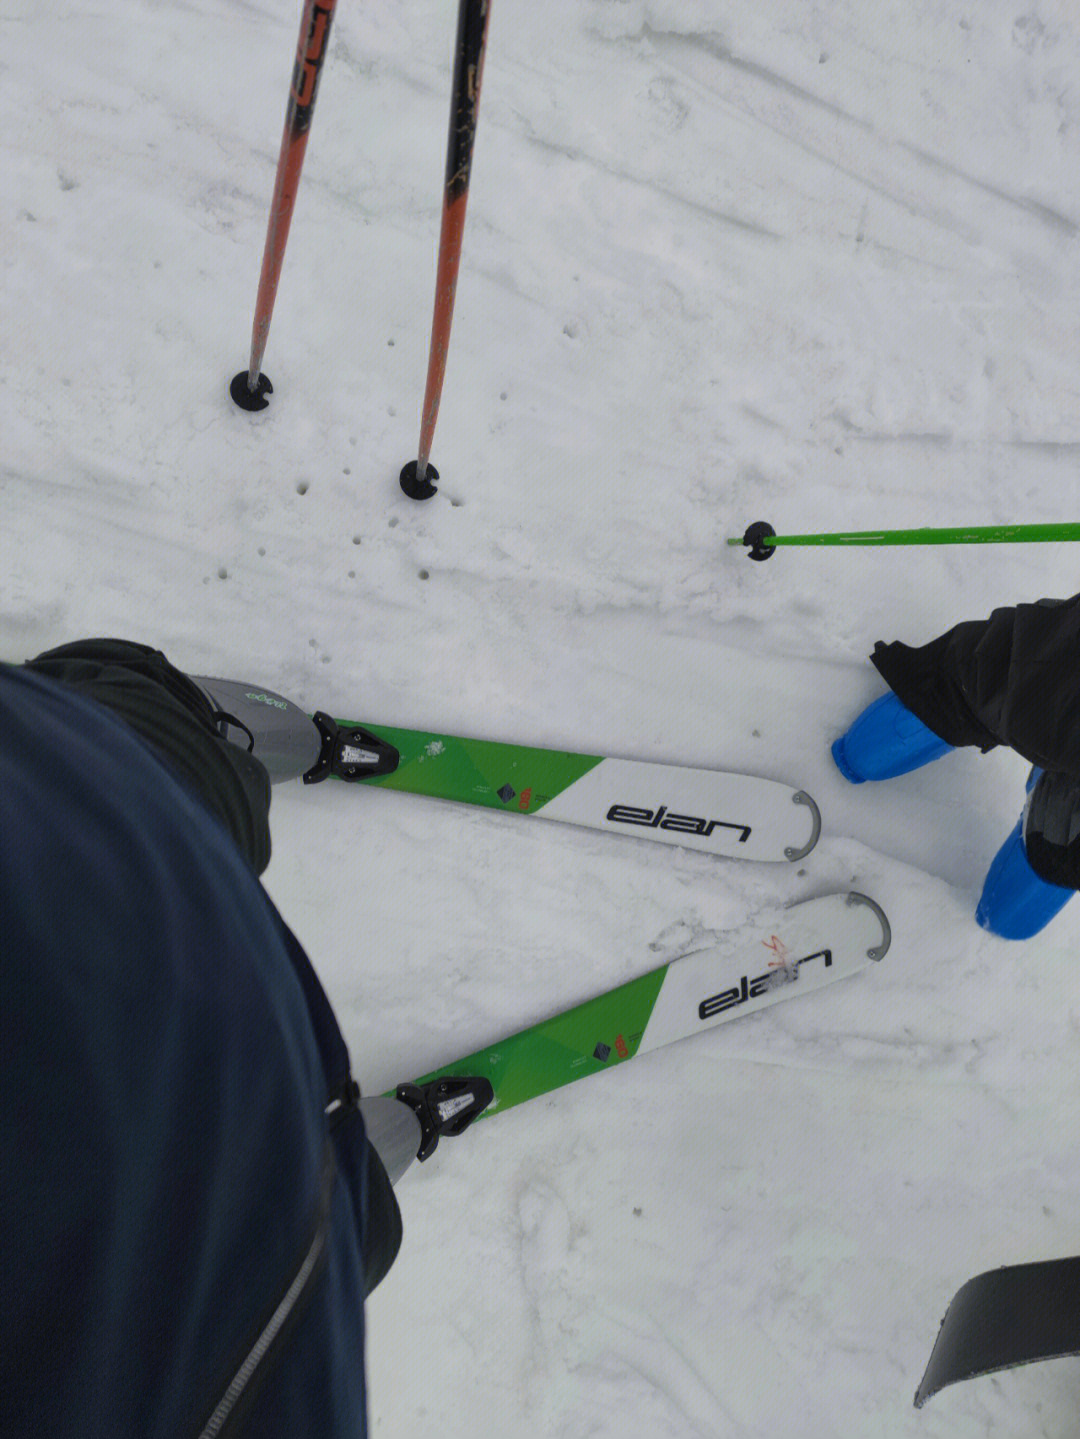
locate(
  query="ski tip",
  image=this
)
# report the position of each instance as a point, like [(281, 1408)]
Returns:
[(1004, 1318), (791, 853), (877, 951)]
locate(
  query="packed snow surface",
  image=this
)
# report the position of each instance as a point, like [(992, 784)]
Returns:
[(814, 264)]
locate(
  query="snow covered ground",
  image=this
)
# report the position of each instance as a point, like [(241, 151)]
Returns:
[(816, 264)]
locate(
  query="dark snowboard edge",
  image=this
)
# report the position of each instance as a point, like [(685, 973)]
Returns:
[(1005, 1318)]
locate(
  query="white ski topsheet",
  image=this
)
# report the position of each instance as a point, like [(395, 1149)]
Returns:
[(801, 949), (737, 815)]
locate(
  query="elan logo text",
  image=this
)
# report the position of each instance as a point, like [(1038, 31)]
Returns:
[(754, 988), (663, 818)]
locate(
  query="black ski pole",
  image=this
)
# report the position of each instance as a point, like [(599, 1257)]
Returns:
[(417, 476)]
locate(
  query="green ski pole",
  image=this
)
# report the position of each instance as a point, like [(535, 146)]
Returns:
[(761, 539)]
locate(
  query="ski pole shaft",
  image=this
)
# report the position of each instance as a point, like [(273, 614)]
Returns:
[(469, 52), (249, 390), (763, 540)]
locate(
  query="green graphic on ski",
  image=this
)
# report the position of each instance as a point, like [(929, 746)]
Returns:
[(735, 815), (795, 952)]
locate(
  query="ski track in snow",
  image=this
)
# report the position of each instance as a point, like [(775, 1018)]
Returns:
[(815, 265)]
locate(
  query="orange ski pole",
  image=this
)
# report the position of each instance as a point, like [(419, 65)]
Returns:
[(250, 387)]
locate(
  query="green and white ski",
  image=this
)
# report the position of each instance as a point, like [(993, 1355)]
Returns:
[(735, 815), (795, 952)]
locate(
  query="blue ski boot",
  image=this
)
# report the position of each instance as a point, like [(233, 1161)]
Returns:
[(886, 740), (1016, 902)]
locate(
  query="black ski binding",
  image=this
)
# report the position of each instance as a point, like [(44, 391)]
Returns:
[(350, 752), (445, 1106)]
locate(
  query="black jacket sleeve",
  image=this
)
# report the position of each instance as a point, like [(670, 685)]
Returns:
[(1012, 679)]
